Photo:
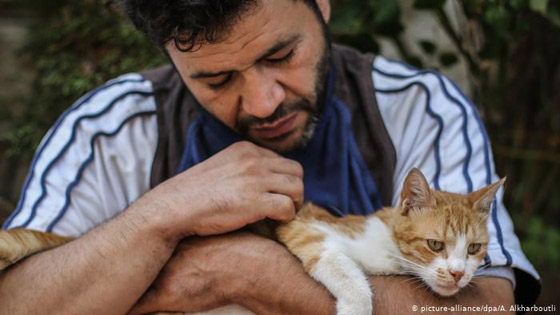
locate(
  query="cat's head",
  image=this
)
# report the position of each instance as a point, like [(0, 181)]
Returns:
[(442, 236)]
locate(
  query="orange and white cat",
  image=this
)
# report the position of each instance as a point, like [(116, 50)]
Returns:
[(437, 236)]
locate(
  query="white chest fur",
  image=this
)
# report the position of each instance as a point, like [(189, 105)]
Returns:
[(374, 250)]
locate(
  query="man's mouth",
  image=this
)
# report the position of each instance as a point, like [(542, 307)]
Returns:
[(276, 129)]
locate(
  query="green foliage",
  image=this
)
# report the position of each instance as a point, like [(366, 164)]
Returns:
[(541, 242), (75, 46)]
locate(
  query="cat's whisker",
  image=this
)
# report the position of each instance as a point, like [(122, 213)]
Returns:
[(407, 260), (415, 265), (411, 280), (472, 286), (422, 285)]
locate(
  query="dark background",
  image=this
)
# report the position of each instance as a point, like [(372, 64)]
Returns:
[(504, 54)]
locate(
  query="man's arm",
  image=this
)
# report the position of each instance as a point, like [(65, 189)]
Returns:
[(262, 275), (106, 271), (241, 268), (103, 272), (400, 295)]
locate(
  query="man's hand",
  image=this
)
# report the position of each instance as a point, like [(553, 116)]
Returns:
[(205, 273), (202, 273), (240, 185)]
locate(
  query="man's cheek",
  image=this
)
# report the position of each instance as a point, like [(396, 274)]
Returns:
[(298, 82)]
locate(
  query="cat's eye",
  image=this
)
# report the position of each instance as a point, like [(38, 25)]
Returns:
[(473, 248), (436, 246)]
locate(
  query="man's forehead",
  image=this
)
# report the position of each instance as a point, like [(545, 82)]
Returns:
[(253, 56), (258, 31)]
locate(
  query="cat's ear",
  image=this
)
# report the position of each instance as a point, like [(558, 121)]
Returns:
[(482, 199), (415, 192)]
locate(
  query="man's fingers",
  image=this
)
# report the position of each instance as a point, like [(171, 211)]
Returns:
[(280, 207), (282, 165), (246, 149), (288, 185)]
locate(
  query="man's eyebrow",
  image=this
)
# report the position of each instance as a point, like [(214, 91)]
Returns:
[(279, 46), (271, 51), (200, 75)]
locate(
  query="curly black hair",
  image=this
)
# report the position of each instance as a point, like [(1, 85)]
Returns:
[(189, 23)]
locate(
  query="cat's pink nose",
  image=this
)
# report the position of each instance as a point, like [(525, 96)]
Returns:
[(457, 275)]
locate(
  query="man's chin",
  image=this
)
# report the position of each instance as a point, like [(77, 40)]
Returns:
[(294, 139), (287, 142)]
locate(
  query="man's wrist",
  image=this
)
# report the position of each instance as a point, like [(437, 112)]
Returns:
[(281, 287), (154, 217)]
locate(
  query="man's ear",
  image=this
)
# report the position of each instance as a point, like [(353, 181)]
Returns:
[(325, 8)]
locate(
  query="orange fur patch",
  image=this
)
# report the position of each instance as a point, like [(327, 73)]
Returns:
[(17, 244)]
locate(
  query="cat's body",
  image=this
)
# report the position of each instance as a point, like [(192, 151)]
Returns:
[(439, 237), (340, 252)]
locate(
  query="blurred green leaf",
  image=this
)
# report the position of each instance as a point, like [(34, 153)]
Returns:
[(499, 19), (538, 6), (345, 20), (518, 4), (385, 12), (554, 17), (541, 238)]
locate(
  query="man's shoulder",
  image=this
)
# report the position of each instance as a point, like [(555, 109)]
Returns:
[(391, 76), (117, 114), (100, 148), (404, 91), (122, 109), (117, 101)]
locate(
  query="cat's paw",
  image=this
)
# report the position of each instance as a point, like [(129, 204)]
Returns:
[(354, 307)]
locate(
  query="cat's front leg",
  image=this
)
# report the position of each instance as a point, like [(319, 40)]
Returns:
[(345, 280)]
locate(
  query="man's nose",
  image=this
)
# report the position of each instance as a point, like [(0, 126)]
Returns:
[(261, 94)]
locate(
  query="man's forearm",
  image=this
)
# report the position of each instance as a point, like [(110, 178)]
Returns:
[(282, 286), (297, 293), (401, 294), (103, 272)]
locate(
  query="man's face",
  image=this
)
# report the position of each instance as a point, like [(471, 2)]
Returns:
[(265, 80)]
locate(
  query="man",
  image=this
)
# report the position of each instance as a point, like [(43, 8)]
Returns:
[(344, 125)]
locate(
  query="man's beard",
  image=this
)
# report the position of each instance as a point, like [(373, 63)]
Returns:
[(305, 104), (283, 110)]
